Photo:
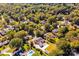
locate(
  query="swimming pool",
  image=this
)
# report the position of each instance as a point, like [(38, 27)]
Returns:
[(30, 53)]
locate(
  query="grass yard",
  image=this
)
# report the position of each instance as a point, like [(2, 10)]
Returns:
[(4, 55), (51, 47)]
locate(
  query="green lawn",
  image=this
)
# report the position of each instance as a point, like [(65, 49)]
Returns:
[(2, 48), (4, 55), (37, 53)]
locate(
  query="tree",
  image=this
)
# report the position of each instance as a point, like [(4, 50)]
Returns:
[(16, 43), (6, 18), (16, 17), (15, 23), (48, 27), (76, 21), (26, 47), (74, 43), (67, 50), (36, 20), (10, 34), (3, 38), (65, 46), (63, 30), (22, 26), (52, 19), (50, 37), (38, 33), (42, 16), (30, 31), (71, 34), (20, 34)]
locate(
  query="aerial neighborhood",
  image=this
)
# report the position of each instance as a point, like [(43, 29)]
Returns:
[(39, 29)]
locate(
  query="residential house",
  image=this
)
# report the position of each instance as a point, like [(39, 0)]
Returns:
[(40, 43), (55, 30), (9, 27), (4, 43), (2, 32)]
